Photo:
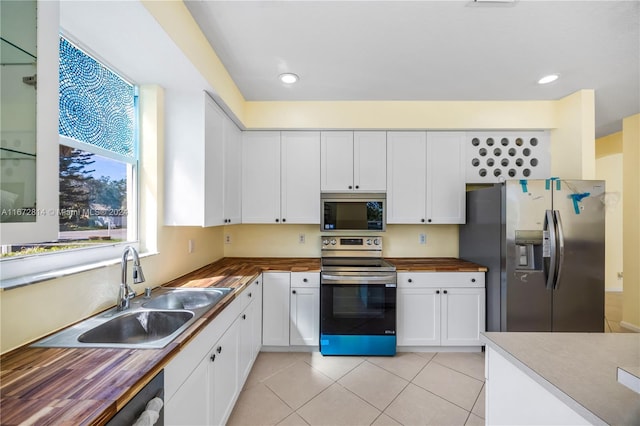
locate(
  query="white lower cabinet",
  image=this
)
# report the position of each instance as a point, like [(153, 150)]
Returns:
[(203, 381), (440, 309), (291, 309), (304, 317)]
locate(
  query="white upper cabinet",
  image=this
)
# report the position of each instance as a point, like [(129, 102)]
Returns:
[(353, 161), (232, 173), (281, 177), (198, 136), (407, 178), (260, 177), (300, 177), (425, 178), (445, 177)]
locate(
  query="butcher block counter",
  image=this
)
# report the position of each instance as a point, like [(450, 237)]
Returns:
[(78, 386), (434, 264)]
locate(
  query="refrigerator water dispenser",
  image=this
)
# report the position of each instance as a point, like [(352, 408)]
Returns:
[(529, 250)]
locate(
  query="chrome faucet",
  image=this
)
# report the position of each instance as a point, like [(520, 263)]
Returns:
[(126, 293)]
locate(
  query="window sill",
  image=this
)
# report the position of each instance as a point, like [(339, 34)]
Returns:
[(28, 279)]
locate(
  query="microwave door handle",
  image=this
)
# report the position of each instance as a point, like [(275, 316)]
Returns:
[(560, 231), (550, 228)]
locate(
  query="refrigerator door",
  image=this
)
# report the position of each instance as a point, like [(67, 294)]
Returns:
[(526, 302), (578, 296)]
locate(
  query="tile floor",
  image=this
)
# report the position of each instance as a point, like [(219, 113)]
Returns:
[(288, 388), (408, 389)]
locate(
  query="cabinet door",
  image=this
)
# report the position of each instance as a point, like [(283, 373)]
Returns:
[(191, 403), (305, 316), (406, 177), (463, 316), (261, 177), (418, 316), (213, 164), (275, 308), (256, 323), (445, 177), (232, 172), (336, 161), (223, 374), (370, 161), (245, 341), (300, 177)]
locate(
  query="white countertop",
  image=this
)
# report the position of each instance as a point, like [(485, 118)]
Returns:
[(579, 368)]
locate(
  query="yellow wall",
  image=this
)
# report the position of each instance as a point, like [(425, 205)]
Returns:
[(27, 313), (573, 139), (631, 222), (609, 168), (282, 241)]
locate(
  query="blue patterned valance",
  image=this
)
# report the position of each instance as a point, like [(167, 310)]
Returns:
[(96, 105)]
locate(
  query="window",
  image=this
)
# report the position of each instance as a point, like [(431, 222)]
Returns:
[(97, 157)]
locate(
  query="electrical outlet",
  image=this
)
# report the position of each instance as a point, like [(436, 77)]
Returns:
[(192, 246), (227, 239), (422, 238), (301, 238)]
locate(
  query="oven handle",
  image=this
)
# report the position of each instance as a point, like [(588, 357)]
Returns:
[(374, 279)]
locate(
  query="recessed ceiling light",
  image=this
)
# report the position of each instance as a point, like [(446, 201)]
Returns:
[(548, 79), (288, 78)]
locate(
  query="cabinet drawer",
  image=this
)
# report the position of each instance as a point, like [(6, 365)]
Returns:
[(440, 279), (250, 293), (305, 279)]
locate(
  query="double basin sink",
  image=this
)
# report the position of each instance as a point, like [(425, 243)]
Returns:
[(150, 323)]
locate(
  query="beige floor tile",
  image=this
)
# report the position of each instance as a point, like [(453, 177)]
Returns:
[(298, 383), (373, 384), (258, 406), (404, 364), (333, 366), (293, 420), (474, 420), (478, 407), (416, 406), (385, 420), (269, 363), (427, 355), (451, 385), (469, 363), (337, 406)]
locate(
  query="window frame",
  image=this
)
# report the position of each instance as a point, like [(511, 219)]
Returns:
[(24, 270)]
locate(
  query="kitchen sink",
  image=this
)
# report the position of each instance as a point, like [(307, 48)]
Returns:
[(137, 327), (150, 322), (187, 298)]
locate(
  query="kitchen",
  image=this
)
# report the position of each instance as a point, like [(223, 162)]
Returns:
[(570, 118)]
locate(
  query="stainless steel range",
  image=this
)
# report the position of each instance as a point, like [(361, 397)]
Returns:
[(357, 297)]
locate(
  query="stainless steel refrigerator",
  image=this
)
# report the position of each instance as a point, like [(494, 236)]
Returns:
[(543, 242)]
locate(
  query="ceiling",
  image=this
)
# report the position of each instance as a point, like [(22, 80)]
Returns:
[(430, 50)]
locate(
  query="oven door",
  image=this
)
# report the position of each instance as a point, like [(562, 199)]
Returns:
[(358, 314)]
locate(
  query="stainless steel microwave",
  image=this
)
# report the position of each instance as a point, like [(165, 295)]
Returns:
[(357, 211)]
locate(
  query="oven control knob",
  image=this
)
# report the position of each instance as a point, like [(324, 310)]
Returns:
[(325, 242), (333, 242), (368, 241), (376, 242)]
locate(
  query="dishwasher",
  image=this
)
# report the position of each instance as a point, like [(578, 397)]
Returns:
[(131, 412)]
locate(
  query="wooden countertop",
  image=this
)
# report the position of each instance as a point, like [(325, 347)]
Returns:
[(579, 369), (87, 386), (434, 264)]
